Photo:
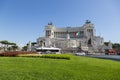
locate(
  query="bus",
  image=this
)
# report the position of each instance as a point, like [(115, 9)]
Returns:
[(46, 50)]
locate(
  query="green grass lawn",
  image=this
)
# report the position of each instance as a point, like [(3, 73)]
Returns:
[(78, 68)]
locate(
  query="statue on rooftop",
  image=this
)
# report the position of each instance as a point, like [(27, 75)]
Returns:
[(50, 23), (87, 22)]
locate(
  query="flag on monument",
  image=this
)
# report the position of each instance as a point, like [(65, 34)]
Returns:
[(77, 34)]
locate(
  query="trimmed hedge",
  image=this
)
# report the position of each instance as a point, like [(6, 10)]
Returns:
[(29, 55), (57, 56), (52, 56)]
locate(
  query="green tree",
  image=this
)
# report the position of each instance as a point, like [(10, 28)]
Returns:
[(24, 48), (33, 43), (116, 46), (106, 43), (5, 44), (14, 47)]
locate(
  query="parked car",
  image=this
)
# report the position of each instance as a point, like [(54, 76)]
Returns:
[(80, 54), (89, 53), (118, 53)]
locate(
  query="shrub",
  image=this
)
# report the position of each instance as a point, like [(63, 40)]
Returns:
[(57, 56), (15, 53)]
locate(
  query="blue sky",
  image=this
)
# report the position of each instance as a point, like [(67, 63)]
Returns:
[(22, 21)]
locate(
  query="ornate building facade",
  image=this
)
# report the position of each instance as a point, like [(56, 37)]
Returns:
[(83, 37)]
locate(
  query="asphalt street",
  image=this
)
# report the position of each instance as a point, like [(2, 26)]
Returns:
[(110, 57)]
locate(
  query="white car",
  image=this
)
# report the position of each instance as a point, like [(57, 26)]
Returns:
[(80, 54)]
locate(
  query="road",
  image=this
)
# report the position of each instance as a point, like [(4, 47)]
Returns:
[(111, 57)]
